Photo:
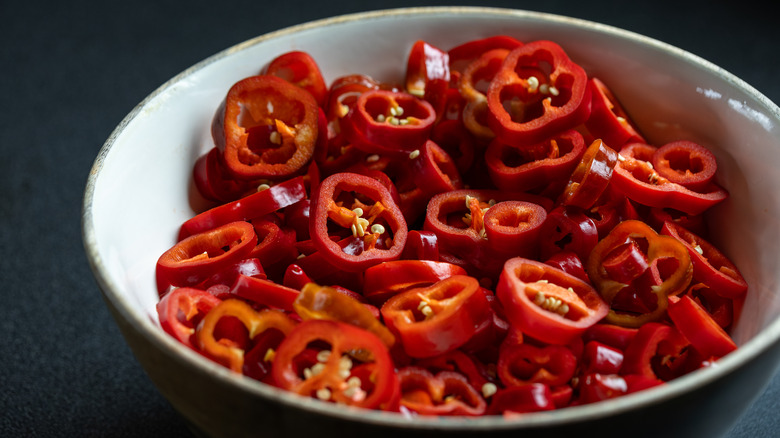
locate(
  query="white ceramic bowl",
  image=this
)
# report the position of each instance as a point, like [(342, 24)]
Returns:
[(137, 196)]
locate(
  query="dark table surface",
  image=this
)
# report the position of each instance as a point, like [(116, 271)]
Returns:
[(70, 73)]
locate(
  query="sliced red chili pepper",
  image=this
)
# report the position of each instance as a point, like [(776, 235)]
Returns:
[(266, 128), (524, 169), (699, 328), (522, 364), (377, 224), (637, 180), (375, 378), (473, 87), (601, 358), (591, 176), (253, 206), (464, 54), (388, 279), (256, 323), (435, 319), (387, 122), (567, 229), (446, 393), (694, 222), (264, 292), (251, 267), (322, 302), (460, 362), (181, 310), (665, 254), (608, 120), (547, 303), (512, 227), (653, 348), (421, 245), (213, 181), (428, 74), (537, 108), (452, 136), (533, 397), (275, 247), (570, 263), (710, 265), (686, 163), (198, 257), (434, 171), (597, 387), (720, 309), (302, 70)]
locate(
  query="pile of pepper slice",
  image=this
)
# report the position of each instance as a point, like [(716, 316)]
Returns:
[(491, 235)]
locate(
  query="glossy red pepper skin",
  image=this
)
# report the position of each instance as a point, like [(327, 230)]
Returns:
[(378, 379), (570, 263), (247, 142), (198, 257), (481, 70), (213, 182), (521, 284), (275, 247), (608, 120), (601, 358), (434, 171), (464, 54), (541, 114), (455, 308), (389, 122), (428, 74), (390, 278), (686, 163), (591, 176), (525, 169), (452, 136), (366, 252), (522, 364), (645, 354), (264, 292), (567, 229), (532, 397), (421, 245), (253, 206), (181, 310), (699, 328), (302, 70), (445, 393), (710, 265), (512, 227)]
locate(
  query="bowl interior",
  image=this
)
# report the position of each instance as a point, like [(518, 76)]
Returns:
[(140, 189)]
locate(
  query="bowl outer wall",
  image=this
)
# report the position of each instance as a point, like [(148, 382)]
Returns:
[(740, 126)]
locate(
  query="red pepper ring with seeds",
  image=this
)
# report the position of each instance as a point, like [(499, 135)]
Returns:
[(364, 206)]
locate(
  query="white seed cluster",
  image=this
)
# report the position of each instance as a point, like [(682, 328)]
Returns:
[(551, 304)]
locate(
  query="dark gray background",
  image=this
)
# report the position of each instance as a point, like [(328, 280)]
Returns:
[(70, 73)]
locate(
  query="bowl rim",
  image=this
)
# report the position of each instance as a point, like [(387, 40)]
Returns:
[(122, 308)]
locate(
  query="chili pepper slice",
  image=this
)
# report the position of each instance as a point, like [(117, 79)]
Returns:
[(181, 310), (264, 292), (699, 328), (532, 397), (451, 135), (302, 70), (331, 379), (472, 86), (610, 334), (365, 206), (256, 323), (540, 165), (522, 364), (389, 122), (547, 303), (710, 265), (464, 54), (445, 393), (538, 108), (266, 128), (664, 253), (322, 302), (458, 361), (654, 348), (198, 257), (390, 278), (591, 176), (567, 229), (686, 163), (601, 358), (512, 227), (608, 120), (570, 263), (253, 206), (421, 245), (434, 171), (428, 74), (435, 319), (215, 183)]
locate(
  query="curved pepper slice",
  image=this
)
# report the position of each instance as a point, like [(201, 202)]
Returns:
[(699, 328), (608, 120), (428, 74), (436, 319), (664, 256), (323, 302), (364, 206), (567, 229), (513, 227), (198, 257), (538, 107), (256, 323), (480, 71), (266, 128), (533, 397), (302, 70), (249, 207), (434, 171), (389, 122), (547, 303), (421, 245), (390, 278), (591, 176), (181, 310), (522, 364), (464, 54), (686, 163), (523, 169), (445, 393), (451, 135), (710, 265), (652, 351), (331, 378), (213, 181)]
